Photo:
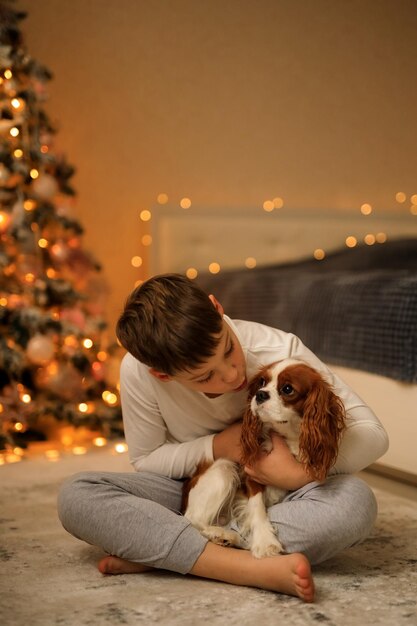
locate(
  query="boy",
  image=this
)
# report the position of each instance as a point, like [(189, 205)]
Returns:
[(183, 391)]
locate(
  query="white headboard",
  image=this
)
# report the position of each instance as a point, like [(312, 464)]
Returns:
[(184, 238)]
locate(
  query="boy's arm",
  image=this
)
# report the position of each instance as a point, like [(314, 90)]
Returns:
[(146, 432)]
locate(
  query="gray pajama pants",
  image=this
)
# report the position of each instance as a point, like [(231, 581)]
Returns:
[(136, 516)]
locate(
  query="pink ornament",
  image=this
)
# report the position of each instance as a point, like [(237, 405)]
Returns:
[(73, 316)]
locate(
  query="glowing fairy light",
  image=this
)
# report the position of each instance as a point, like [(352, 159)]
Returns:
[(400, 197), (214, 268), (52, 455), (250, 262), (79, 450), (351, 241), (369, 239), (162, 198), (191, 273), (145, 215), (185, 203), (88, 343), (83, 407), (146, 240), (319, 254), (29, 205), (136, 261), (120, 448), (18, 153), (100, 442), (8, 74), (366, 209), (268, 206), (278, 203), (381, 237), (43, 243), (34, 173), (26, 399)]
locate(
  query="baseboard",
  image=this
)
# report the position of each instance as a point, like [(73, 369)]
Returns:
[(406, 478)]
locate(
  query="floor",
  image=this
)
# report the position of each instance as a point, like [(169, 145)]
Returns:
[(48, 578)]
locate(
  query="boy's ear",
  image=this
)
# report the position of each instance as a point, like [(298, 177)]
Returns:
[(216, 304), (159, 375)]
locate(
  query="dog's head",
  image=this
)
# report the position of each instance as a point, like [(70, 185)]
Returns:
[(291, 392)]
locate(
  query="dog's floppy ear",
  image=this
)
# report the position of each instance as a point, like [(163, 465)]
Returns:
[(251, 437), (322, 425), (252, 428)]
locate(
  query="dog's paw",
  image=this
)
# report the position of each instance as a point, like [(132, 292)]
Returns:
[(222, 536), (262, 550)]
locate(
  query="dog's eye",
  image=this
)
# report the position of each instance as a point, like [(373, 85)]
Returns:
[(262, 383), (287, 389)]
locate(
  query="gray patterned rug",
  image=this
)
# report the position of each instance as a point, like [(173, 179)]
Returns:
[(49, 578)]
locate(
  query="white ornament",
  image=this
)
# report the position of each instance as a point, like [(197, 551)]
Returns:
[(45, 186), (40, 349)]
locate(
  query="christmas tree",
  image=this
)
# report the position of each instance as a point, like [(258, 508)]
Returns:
[(55, 364)]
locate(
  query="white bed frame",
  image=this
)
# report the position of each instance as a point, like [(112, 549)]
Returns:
[(197, 237)]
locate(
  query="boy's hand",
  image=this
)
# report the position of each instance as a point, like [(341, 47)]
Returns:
[(226, 444), (278, 467)]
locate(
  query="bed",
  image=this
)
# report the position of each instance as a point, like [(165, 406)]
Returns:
[(356, 309)]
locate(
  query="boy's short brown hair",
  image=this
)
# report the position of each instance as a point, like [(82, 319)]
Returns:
[(170, 324)]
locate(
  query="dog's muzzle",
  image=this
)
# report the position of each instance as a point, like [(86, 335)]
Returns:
[(261, 396)]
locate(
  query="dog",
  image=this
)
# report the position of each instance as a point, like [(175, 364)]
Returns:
[(294, 400)]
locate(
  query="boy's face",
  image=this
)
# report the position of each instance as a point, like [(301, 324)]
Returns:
[(224, 372)]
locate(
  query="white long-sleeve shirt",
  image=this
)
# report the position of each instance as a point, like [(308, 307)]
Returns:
[(170, 428)]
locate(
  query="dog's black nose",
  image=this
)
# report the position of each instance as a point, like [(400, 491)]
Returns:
[(261, 396)]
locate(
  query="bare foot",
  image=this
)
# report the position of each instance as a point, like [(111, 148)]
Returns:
[(303, 580), (287, 573), (115, 565)]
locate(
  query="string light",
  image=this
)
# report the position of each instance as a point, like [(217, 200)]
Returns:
[(369, 239), (18, 103), (145, 215), (136, 261), (191, 273), (52, 455), (214, 268), (88, 343), (366, 209), (162, 198), (146, 240), (381, 237), (34, 174), (278, 203), (185, 203), (14, 131), (400, 197), (8, 74), (43, 243), (319, 254), (100, 442), (18, 153), (250, 262), (120, 448), (79, 450), (351, 241), (268, 206), (29, 205), (414, 199)]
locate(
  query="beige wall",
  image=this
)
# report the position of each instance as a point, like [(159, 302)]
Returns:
[(228, 102)]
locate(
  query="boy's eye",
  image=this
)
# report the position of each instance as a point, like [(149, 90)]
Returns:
[(206, 379), (230, 350)]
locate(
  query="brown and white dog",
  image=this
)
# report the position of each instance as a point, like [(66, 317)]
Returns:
[(294, 400)]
